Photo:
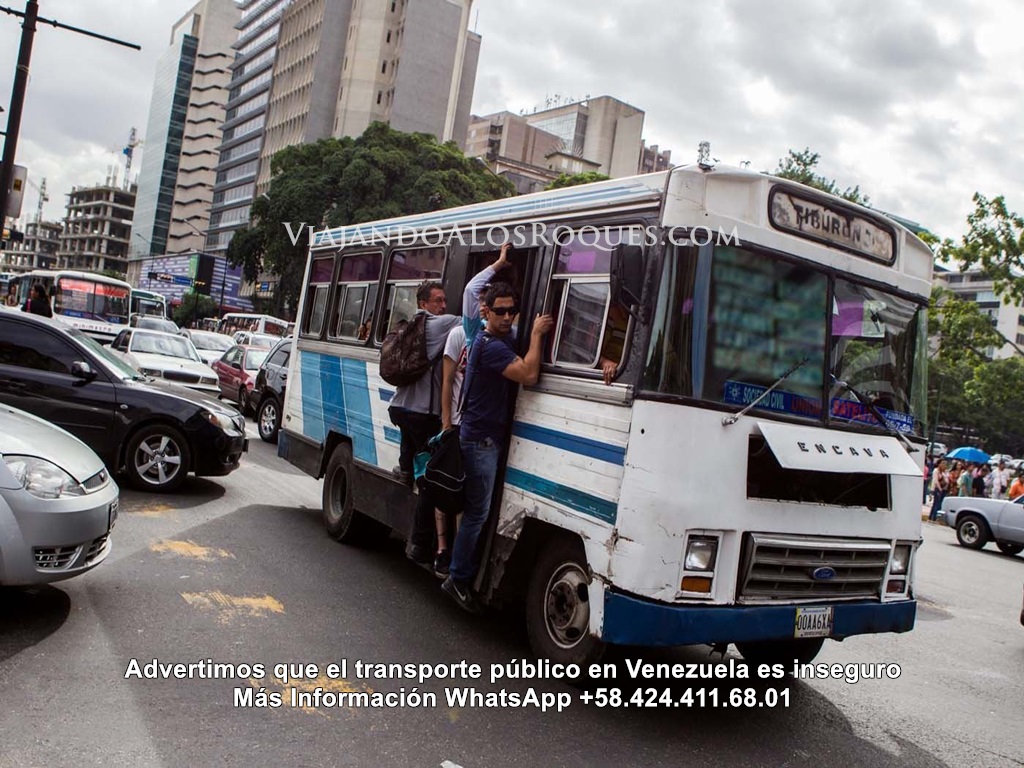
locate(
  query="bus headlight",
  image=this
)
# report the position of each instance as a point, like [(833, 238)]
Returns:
[(900, 559), (701, 552)]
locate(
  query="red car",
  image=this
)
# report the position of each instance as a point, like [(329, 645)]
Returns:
[(236, 373)]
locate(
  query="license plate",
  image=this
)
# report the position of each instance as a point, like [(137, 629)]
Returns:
[(112, 515), (813, 622)]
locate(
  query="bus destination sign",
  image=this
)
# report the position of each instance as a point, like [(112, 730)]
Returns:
[(831, 224)]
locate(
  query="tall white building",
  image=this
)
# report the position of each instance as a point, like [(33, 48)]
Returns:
[(1007, 318)]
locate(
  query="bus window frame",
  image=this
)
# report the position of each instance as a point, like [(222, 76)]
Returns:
[(310, 304), (379, 332), (594, 373), (337, 300)]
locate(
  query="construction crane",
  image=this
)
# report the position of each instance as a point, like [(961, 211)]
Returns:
[(43, 198), (129, 150)]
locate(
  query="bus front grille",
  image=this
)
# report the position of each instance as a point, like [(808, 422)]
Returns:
[(778, 567)]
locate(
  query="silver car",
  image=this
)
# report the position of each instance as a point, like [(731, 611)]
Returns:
[(57, 502), (979, 520)]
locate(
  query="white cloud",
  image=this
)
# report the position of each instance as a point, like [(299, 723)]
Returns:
[(916, 101)]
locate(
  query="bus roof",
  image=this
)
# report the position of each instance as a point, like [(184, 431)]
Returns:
[(75, 274)]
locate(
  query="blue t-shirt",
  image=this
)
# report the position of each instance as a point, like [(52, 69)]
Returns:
[(485, 405)]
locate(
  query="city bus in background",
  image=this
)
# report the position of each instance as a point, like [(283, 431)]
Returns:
[(147, 303), (751, 475), (94, 303), (254, 323)]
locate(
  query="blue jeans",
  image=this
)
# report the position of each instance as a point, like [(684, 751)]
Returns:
[(480, 462), (937, 498)]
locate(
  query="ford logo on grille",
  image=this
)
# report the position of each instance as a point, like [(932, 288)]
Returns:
[(823, 574)]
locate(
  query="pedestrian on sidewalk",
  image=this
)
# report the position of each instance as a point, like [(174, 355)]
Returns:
[(940, 487)]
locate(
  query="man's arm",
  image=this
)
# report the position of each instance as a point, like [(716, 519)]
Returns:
[(448, 367), (526, 370), (471, 296)]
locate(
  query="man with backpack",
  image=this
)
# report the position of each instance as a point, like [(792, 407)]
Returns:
[(411, 354)]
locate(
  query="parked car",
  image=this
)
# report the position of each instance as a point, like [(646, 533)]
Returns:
[(236, 373), (268, 391), (156, 431), (1006, 458), (978, 520), (937, 449), (261, 340), (153, 323), (58, 502), (166, 356), (210, 346)]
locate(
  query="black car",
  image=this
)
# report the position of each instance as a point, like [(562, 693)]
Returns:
[(157, 432), (268, 391)]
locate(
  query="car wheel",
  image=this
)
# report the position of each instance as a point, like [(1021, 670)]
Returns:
[(157, 459), (243, 401), (799, 649), (1010, 549), (268, 420), (558, 606), (341, 519), (971, 532)]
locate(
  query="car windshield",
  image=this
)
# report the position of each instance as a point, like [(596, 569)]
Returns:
[(212, 341), (254, 358), (157, 324), (264, 342), (114, 364), (162, 344)]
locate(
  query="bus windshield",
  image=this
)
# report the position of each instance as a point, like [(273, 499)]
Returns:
[(727, 330), (79, 297)]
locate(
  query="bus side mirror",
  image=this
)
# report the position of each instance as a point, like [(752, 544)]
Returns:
[(627, 276)]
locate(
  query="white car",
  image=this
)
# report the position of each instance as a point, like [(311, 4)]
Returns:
[(166, 356), (210, 346)]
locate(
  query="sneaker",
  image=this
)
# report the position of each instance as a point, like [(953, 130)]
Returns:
[(461, 595), (419, 555), (442, 564)]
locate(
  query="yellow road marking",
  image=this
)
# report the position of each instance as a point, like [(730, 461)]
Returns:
[(189, 549), (151, 510), (231, 607)]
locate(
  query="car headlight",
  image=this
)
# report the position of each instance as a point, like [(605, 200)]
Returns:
[(700, 553), (151, 372), (900, 559), (221, 420), (43, 478)]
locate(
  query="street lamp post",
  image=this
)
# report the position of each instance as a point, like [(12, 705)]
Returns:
[(224, 262)]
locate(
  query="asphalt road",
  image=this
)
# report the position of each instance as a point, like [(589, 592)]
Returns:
[(239, 571)]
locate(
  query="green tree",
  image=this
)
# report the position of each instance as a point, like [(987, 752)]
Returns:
[(336, 182), (572, 180), (995, 243), (187, 311), (802, 167)]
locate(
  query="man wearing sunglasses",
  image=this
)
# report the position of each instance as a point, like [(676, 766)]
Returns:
[(491, 372)]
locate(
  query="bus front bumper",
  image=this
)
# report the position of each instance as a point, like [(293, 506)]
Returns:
[(630, 620)]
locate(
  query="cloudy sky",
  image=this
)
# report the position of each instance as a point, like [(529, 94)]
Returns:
[(917, 101)]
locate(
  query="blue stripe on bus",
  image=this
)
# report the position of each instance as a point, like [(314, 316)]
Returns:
[(621, 192), (578, 500), (356, 389), (312, 400), (333, 402), (386, 395), (584, 446), (392, 435)]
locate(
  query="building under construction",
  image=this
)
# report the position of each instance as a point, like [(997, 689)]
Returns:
[(97, 228), (38, 249)]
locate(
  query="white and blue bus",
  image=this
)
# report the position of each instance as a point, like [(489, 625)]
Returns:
[(752, 473)]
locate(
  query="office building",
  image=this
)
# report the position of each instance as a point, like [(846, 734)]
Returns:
[(1006, 317)]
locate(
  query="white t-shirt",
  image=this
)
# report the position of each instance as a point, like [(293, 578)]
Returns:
[(455, 349)]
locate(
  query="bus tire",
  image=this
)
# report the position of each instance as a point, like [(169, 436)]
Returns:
[(558, 606), (799, 649), (342, 521)]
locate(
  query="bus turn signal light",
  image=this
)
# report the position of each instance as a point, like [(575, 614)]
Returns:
[(696, 584)]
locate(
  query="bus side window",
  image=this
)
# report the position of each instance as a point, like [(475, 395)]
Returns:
[(317, 293), (590, 328), (357, 296), (406, 270)]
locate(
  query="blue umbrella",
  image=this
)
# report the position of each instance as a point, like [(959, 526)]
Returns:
[(968, 453)]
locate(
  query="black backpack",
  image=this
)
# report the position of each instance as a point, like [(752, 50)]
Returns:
[(443, 476), (403, 355)]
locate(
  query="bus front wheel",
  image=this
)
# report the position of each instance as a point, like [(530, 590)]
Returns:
[(558, 606), (341, 519), (799, 649)]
